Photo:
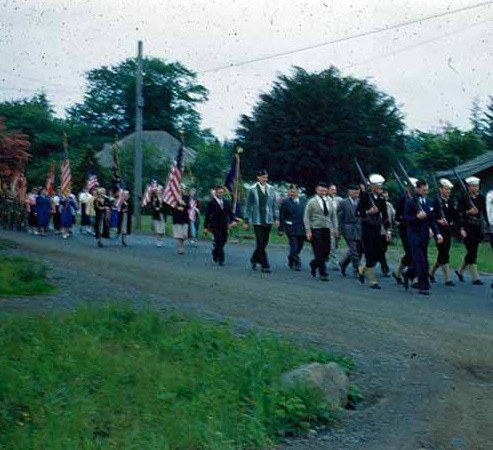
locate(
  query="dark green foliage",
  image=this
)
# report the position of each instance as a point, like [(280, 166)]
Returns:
[(310, 126), (21, 276), (115, 378), (170, 93)]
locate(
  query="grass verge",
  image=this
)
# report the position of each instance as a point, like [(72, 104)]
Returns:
[(22, 276), (114, 378)]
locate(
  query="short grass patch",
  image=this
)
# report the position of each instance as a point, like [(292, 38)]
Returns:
[(23, 276), (115, 378)]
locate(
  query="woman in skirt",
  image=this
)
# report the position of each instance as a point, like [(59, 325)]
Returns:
[(158, 215), (124, 217), (43, 211), (67, 207), (180, 222)]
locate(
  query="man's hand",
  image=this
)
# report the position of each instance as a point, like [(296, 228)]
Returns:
[(246, 226), (439, 239), (421, 215), (309, 235), (473, 211), (206, 231), (442, 222), (277, 223), (463, 233), (336, 234), (388, 236), (373, 210)]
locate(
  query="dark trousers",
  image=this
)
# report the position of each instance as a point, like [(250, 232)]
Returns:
[(444, 248), (353, 255), (419, 267), (220, 239), (471, 242), (101, 226), (406, 258), (321, 249), (372, 243), (262, 234), (295, 247), (383, 256), (57, 218)]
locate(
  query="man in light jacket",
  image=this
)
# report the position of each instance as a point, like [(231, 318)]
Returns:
[(261, 211)]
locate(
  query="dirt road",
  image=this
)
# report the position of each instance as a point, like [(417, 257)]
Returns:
[(425, 364)]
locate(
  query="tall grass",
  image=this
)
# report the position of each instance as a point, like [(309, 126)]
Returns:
[(114, 378), (22, 276)]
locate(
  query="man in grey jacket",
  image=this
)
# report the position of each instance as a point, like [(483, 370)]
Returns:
[(320, 222), (261, 211), (350, 228)]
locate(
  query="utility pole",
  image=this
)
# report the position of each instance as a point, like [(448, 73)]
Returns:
[(139, 109)]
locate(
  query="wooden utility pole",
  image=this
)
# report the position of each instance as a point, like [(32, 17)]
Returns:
[(139, 109)]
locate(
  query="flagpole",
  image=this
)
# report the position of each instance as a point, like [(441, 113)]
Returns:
[(65, 145)]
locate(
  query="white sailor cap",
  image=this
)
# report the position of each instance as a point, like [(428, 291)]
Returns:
[(473, 181), (445, 183), (413, 181), (376, 178)]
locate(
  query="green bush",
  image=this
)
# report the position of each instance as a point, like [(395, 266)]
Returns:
[(115, 378), (22, 276)]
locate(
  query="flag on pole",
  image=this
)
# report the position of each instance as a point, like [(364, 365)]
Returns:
[(66, 177), (50, 181), (232, 183), (172, 192), (92, 180), (151, 187)]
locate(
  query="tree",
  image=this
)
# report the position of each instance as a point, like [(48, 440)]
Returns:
[(170, 93), (434, 152), (14, 153), (310, 126), (488, 124)]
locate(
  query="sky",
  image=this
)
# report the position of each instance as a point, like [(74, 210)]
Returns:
[(433, 68)]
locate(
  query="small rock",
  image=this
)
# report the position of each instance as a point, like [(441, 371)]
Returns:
[(329, 379)]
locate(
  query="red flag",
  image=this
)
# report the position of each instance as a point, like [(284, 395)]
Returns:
[(172, 192), (50, 181)]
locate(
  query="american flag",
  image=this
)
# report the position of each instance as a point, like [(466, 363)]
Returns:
[(151, 187), (92, 181), (66, 180), (172, 192), (50, 181)]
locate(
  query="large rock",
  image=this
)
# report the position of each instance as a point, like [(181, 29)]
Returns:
[(329, 379)]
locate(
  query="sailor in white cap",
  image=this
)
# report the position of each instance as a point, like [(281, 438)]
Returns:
[(372, 209), (473, 217), (405, 261), (447, 217)]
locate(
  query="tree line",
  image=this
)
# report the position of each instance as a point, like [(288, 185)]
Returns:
[(308, 127)]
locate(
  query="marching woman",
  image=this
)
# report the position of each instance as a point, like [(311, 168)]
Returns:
[(67, 207), (31, 211), (114, 214), (158, 209), (43, 211), (85, 220), (193, 215), (180, 222), (124, 217)]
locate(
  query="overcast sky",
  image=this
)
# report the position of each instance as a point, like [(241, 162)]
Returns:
[(434, 68)]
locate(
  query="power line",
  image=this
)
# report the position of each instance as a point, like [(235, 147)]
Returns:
[(347, 38)]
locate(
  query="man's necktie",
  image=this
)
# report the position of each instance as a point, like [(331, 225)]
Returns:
[(326, 210)]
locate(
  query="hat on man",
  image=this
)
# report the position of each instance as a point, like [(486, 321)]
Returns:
[(473, 181), (322, 184), (445, 183), (376, 178), (413, 181), (261, 173)]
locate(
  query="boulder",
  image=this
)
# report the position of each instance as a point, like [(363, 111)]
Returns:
[(329, 379)]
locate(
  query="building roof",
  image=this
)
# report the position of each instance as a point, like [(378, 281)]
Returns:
[(162, 140), (471, 167)]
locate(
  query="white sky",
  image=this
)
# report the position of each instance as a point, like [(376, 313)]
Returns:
[(434, 69)]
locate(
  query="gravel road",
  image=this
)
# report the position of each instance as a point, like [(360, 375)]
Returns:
[(425, 364)]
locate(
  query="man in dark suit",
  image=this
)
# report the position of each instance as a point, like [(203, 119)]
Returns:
[(219, 218), (350, 228), (419, 214), (291, 223)]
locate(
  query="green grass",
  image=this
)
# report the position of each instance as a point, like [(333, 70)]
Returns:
[(22, 276), (113, 378)]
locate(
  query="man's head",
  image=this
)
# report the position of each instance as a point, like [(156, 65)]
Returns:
[(421, 187), (332, 190), (376, 182), (353, 191), (293, 191), (262, 177), (445, 187), (192, 192), (219, 191), (322, 188), (473, 185)]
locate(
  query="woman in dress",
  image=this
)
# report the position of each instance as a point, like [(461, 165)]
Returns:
[(43, 211), (158, 209), (124, 216), (193, 215), (180, 222), (31, 211), (102, 211), (68, 207)]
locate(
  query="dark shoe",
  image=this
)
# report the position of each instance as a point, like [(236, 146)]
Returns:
[(432, 279), (459, 276), (254, 264), (266, 270), (100, 244), (397, 279), (361, 277), (478, 282), (375, 286), (415, 285), (124, 243), (405, 281), (449, 283), (313, 269), (422, 292), (343, 270), (290, 264), (385, 275), (297, 268), (221, 263), (324, 278)]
